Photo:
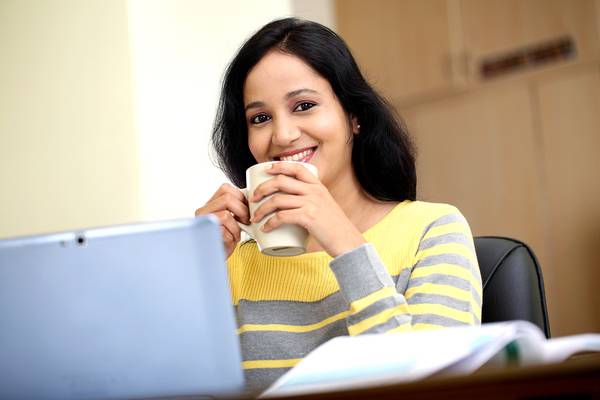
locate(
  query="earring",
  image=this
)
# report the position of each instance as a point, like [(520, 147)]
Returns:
[(357, 129)]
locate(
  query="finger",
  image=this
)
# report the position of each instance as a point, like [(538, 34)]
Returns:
[(229, 223), (294, 169), (228, 188), (228, 238), (277, 202), (226, 202), (294, 216), (232, 204), (279, 183)]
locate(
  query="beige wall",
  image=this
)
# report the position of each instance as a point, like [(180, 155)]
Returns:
[(67, 143)]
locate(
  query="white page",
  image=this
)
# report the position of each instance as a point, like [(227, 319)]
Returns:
[(560, 349)]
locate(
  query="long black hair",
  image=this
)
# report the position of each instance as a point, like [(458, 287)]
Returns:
[(383, 157)]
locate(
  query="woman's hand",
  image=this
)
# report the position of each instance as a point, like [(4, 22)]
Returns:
[(303, 200), (229, 205)]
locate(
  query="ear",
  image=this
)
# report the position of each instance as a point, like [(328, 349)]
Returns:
[(355, 125)]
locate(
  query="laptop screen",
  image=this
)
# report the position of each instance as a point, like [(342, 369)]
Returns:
[(132, 311)]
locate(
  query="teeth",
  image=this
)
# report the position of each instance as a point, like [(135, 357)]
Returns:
[(297, 156)]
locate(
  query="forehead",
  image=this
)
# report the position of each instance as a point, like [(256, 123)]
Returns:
[(278, 73)]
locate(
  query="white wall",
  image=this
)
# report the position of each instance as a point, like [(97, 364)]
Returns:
[(180, 49)]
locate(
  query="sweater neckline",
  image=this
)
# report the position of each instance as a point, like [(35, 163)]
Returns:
[(366, 233)]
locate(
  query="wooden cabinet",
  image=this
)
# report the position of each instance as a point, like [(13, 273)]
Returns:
[(495, 27), (403, 47), (518, 155), (415, 50), (569, 115), (478, 151), (520, 159)]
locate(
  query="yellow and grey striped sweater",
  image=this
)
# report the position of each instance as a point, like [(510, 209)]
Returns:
[(417, 271)]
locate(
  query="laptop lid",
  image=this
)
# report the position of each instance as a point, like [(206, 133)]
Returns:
[(131, 311)]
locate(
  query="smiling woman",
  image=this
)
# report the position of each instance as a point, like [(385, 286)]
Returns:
[(378, 260)]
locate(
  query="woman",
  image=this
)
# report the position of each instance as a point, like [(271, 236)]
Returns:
[(377, 260)]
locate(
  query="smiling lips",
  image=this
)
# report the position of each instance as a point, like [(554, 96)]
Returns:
[(302, 156)]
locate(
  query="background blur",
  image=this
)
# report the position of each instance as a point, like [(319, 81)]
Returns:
[(106, 107)]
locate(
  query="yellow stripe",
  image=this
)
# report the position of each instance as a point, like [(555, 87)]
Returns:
[(449, 248), (270, 363), (449, 269), (452, 227), (384, 316), (443, 311), (359, 305), (450, 291), (425, 327), (405, 327), (435, 288), (291, 328)]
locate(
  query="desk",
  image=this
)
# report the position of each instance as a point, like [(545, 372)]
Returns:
[(578, 378)]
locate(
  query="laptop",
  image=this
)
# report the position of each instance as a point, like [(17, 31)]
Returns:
[(130, 311)]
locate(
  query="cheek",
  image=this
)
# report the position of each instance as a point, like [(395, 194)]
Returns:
[(331, 126), (259, 146)]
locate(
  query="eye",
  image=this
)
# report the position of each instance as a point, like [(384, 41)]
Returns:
[(259, 119), (304, 106)]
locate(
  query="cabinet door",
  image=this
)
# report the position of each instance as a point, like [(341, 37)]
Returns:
[(569, 109), (478, 151), (493, 27), (402, 46)]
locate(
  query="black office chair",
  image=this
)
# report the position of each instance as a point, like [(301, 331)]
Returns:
[(513, 287)]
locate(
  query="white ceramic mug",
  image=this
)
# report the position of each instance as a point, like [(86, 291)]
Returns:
[(286, 240)]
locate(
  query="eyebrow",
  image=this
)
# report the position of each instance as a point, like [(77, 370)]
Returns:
[(289, 95)]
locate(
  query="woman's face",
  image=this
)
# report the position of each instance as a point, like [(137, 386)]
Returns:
[(292, 113)]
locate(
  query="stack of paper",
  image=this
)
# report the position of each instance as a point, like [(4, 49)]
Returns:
[(371, 360)]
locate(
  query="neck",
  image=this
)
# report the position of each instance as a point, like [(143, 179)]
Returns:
[(352, 199)]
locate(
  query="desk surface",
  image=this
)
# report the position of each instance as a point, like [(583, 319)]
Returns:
[(578, 378)]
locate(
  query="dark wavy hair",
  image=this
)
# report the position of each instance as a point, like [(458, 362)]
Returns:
[(383, 156)]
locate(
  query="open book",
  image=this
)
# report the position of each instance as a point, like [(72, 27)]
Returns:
[(379, 359)]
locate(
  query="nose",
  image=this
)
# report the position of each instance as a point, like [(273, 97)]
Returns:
[(284, 132)]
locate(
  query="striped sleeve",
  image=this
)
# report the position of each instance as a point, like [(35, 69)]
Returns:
[(443, 287)]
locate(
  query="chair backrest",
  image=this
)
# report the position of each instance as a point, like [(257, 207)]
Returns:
[(513, 287)]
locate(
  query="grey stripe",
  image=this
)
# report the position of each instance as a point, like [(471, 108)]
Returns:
[(258, 380), (450, 280), (447, 258), (290, 312), (402, 280), (450, 258), (453, 237), (441, 279), (444, 220), (360, 272), (426, 298), (436, 320), (457, 304), (276, 345), (373, 309), (390, 324)]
